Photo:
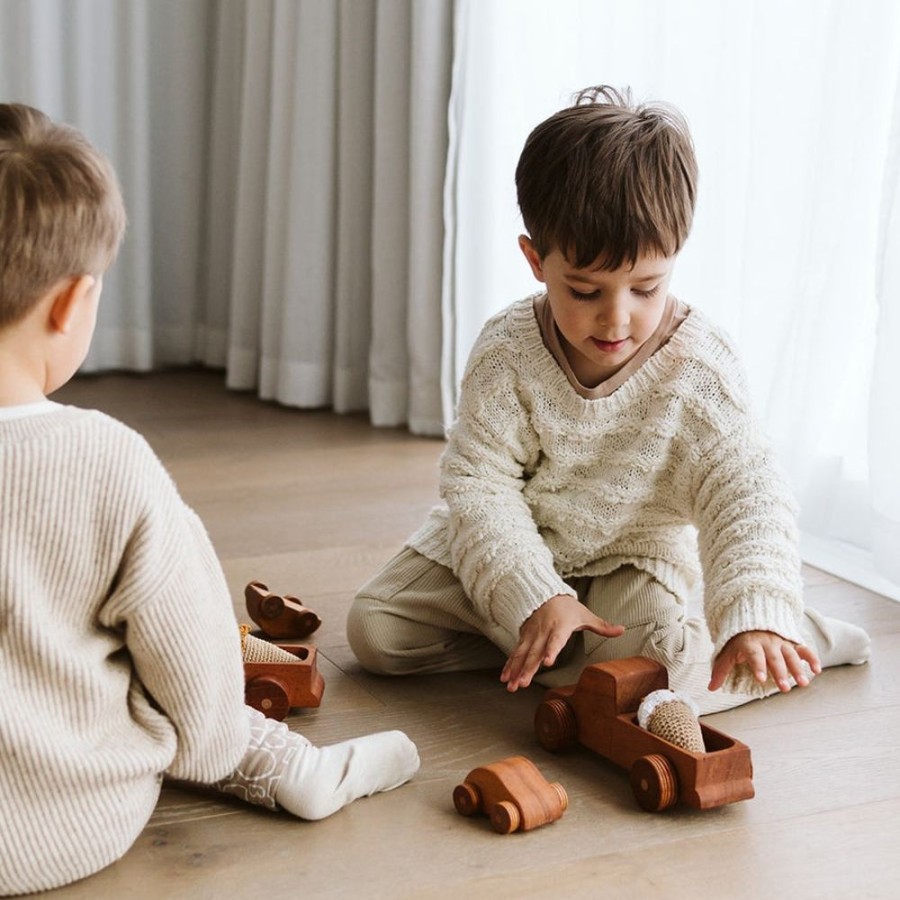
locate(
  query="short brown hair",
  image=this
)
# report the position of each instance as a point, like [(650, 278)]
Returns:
[(608, 180), (61, 209)]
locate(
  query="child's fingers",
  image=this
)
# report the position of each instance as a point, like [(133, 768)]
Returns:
[(723, 664), (770, 657), (809, 655), (602, 627), (795, 656), (753, 657), (522, 664), (528, 657), (778, 669)]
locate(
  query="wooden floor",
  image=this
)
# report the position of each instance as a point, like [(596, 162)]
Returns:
[(312, 503)]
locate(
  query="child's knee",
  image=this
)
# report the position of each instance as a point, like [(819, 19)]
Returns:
[(371, 634)]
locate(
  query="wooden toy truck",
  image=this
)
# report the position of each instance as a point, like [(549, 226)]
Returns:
[(513, 793), (600, 712), (275, 687)]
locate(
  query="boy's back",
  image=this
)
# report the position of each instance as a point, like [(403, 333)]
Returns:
[(120, 657), (97, 548)]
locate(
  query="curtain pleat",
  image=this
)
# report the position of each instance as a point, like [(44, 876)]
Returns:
[(335, 269)]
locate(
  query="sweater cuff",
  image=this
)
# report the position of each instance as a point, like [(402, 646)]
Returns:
[(522, 592), (755, 613)]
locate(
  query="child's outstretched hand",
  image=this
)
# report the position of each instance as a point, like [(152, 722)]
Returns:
[(545, 632), (765, 653)]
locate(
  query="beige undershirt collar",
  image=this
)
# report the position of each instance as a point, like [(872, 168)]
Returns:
[(673, 315)]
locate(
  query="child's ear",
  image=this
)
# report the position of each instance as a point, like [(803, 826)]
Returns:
[(67, 298), (533, 257)]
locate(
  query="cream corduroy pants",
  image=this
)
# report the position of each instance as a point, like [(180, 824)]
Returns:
[(414, 618)]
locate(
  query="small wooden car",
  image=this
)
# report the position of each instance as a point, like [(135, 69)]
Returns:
[(600, 712), (278, 617), (513, 793), (274, 688)]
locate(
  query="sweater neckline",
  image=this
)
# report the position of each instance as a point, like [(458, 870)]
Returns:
[(25, 410), (527, 332)]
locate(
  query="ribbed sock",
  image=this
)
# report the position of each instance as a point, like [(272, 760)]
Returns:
[(283, 769)]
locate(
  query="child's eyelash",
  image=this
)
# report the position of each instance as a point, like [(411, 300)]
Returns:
[(592, 295)]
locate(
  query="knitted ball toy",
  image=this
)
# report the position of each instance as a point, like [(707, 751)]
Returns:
[(255, 650), (672, 716)]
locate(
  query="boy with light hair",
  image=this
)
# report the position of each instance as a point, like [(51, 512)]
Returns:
[(120, 656), (604, 465)]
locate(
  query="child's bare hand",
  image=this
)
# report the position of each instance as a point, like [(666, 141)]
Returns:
[(545, 632), (765, 653)]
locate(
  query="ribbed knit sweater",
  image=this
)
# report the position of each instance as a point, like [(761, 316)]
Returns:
[(669, 473), (119, 652)]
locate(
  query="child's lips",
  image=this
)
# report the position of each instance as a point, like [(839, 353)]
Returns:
[(609, 346)]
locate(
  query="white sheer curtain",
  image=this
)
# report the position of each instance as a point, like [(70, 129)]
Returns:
[(884, 408), (282, 162), (796, 244), (328, 155)]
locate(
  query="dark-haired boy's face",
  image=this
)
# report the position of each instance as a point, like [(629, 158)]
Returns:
[(603, 316)]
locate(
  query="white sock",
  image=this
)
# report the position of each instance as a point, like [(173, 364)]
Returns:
[(836, 642), (283, 769), (321, 780)]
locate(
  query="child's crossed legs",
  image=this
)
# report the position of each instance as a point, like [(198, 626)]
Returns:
[(414, 617)]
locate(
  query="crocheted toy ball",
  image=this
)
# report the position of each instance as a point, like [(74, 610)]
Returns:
[(255, 650), (672, 716)]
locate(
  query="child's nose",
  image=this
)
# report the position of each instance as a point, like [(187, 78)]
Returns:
[(614, 312)]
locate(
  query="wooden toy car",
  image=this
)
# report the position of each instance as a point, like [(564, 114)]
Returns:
[(513, 793), (274, 688), (599, 712), (279, 617)]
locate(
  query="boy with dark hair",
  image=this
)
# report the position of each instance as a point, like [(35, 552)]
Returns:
[(120, 656), (604, 462)]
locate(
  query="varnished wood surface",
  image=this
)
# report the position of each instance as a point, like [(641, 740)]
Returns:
[(517, 784), (312, 503)]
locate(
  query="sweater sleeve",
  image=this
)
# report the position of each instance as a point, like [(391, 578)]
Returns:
[(496, 549), (172, 601), (747, 532)]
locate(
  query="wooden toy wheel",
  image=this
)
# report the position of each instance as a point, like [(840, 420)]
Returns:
[(505, 817), (307, 623), (466, 799), (654, 783), (563, 796), (555, 725), (271, 607), (268, 695)]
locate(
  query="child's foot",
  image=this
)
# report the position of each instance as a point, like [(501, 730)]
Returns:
[(836, 642), (283, 769), (321, 780)]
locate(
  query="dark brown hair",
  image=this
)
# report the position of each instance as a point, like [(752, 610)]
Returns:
[(607, 180), (61, 209)]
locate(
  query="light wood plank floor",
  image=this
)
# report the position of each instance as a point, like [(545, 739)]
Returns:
[(312, 503)]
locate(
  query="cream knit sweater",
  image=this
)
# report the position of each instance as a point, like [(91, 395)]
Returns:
[(669, 473), (119, 653)]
